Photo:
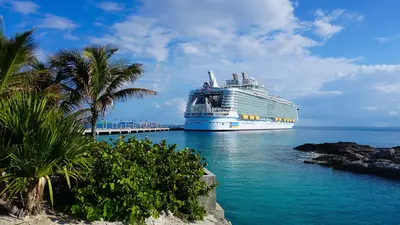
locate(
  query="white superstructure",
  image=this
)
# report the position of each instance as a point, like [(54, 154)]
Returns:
[(238, 105)]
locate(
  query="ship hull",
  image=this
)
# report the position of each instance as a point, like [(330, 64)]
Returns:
[(232, 124)]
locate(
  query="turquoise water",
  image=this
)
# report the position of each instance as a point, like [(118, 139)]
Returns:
[(264, 181)]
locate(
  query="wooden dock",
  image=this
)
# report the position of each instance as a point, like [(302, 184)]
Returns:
[(100, 131)]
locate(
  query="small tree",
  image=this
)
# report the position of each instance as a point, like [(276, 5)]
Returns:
[(97, 81)]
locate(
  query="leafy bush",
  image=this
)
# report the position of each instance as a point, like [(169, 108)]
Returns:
[(37, 141), (133, 180)]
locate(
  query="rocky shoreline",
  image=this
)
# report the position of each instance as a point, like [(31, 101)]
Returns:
[(60, 219), (350, 156)]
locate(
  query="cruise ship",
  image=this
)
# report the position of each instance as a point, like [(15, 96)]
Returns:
[(237, 105)]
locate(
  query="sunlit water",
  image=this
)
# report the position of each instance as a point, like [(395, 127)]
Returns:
[(262, 180)]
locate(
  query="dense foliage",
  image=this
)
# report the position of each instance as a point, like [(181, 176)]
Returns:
[(37, 141), (134, 179), (42, 143)]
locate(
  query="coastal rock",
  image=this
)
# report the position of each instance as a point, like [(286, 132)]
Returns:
[(383, 153), (396, 148), (353, 157), (334, 148), (355, 166), (396, 160)]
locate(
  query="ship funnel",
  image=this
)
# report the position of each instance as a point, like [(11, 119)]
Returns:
[(244, 75), (213, 81), (235, 76)]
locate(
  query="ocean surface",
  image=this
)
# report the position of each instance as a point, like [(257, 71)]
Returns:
[(262, 180)]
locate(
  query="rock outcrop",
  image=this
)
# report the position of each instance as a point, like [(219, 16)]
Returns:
[(350, 156)]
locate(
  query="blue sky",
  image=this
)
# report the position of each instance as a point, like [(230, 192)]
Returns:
[(338, 60)]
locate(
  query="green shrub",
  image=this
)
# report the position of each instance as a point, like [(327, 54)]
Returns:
[(37, 141), (135, 179)]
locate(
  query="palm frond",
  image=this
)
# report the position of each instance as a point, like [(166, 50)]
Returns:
[(73, 72), (123, 74), (82, 115), (100, 71), (17, 53), (133, 93)]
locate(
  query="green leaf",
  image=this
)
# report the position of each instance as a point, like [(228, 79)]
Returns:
[(50, 190), (67, 176)]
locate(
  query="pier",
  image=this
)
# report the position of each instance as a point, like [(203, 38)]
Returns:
[(130, 126), (100, 131)]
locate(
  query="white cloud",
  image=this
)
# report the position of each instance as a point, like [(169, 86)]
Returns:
[(323, 22), (393, 113), (42, 34), (24, 7), (370, 108), (190, 49), (360, 18), (178, 103), (111, 6), (368, 69), (325, 29), (323, 25), (382, 39), (71, 37), (263, 38), (41, 54), (57, 22), (324, 93), (139, 35), (387, 88), (387, 38), (97, 24)]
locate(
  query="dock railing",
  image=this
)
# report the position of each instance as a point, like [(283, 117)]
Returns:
[(130, 126)]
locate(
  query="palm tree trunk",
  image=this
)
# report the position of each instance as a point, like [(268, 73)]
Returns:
[(94, 122), (35, 196)]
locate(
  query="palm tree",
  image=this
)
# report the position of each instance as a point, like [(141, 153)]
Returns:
[(37, 141), (15, 55), (97, 81), (49, 82)]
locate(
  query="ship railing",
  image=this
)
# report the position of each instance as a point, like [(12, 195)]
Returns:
[(226, 109), (207, 114)]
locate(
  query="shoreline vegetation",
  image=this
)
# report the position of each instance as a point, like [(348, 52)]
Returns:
[(46, 162)]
